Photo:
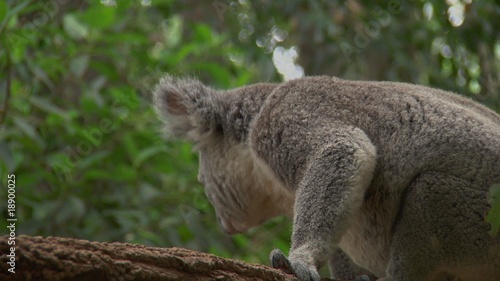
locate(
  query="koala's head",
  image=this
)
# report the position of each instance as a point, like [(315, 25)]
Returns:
[(234, 184)]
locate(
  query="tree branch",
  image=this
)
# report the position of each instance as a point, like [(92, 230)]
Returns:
[(55, 258)]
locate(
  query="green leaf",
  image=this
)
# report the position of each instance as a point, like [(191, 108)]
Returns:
[(74, 28), (41, 74), (6, 156), (18, 46), (186, 152), (125, 173), (493, 216), (129, 37), (121, 173), (128, 144), (203, 33), (220, 74), (185, 233), (10, 13), (98, 175), (48, 107), (175, 59), (78, 206), (3, 10), (28, 130), (240, 240), (173, 31), (149, 192), (89, 105), (99, 16), (93, 159), (45, 210), (79, 65), (147, 153), (106, 69)]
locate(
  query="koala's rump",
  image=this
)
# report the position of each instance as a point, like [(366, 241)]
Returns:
[(437, 224), (440, 226)]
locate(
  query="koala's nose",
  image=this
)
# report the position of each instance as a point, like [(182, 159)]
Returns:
[(227, 226)]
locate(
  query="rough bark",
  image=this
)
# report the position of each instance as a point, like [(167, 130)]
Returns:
[(56, 258)]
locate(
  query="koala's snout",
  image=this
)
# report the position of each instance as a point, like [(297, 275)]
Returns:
[(227, 226), (219, 220)]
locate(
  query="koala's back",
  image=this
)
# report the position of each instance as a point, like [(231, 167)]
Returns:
[(434, 130), (414, 128), (437, 156)]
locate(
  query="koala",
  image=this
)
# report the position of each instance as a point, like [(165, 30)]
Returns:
[(382, 180)]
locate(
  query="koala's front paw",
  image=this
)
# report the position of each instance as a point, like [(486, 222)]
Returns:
[(298, 268), (280, 261)]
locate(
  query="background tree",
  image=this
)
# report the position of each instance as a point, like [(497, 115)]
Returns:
[(78, 131)]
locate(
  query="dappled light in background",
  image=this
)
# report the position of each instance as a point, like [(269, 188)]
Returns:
[(108, 2), (284, 61), (146, 2), (428, 10), (456, 11)]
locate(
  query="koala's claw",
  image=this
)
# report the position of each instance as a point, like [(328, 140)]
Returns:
[(298, 268), (280, 261)]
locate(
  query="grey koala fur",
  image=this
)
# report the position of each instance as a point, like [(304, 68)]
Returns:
[(381, 178)]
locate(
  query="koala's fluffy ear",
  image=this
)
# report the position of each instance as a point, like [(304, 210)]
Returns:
[(187, 107)]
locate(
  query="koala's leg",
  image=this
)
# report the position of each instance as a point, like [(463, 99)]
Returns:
[(343, 268), (330, 194), (440, 231)]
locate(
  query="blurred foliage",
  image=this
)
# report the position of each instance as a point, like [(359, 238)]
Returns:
[(493, 215), (84, 143)]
